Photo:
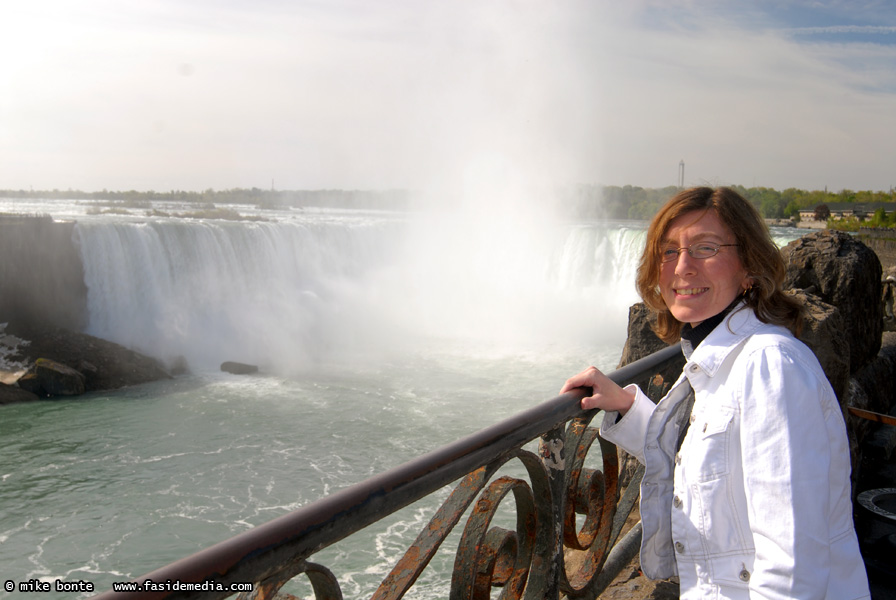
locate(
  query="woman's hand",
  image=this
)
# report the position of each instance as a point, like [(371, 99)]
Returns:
[(607, 395)]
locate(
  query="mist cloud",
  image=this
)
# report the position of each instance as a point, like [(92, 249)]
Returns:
[(171, 95)]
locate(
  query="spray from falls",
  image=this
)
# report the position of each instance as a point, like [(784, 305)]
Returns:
[(290, 294)]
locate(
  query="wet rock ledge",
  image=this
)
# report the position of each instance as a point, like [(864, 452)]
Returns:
[(56, 362)]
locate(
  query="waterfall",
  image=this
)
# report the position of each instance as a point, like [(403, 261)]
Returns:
[(599, 256), (286, 294)]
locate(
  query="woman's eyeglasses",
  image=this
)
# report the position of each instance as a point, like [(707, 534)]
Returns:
[(700, 250)]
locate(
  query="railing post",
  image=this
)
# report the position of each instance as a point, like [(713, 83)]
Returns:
[(553, 452)]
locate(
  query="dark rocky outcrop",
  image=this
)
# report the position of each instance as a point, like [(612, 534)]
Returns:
[(879, 374), (10, 394), (825, 331), (103, 365), (238, 368), (845, 273), (871, 388), (50, 378), (640, 339)]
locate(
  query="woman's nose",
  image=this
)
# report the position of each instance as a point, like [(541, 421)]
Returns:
[(685, 264)]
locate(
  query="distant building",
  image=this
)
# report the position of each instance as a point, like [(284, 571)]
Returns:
[(844, 210)]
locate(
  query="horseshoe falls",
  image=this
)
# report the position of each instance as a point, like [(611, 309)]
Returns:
[(379, 336), (298, 293)]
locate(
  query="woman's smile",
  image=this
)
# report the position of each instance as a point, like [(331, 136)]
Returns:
[(690, 291)]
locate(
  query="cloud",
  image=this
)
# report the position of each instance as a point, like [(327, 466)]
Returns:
[(860, 29), (748, 106), (163, 95)]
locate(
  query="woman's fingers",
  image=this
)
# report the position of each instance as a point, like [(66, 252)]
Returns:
[(606, 394), (591, 402), (586, 378)]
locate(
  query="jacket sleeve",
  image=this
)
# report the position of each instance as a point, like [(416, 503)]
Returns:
[(786, 449), (630, 431)]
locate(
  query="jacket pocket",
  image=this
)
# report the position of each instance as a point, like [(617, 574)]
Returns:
[(708, 451), (717, 422), (724, 530)]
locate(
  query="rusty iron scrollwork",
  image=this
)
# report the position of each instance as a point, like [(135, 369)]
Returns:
[(417, 557), (490, 557), (593, 493), (323, 582)]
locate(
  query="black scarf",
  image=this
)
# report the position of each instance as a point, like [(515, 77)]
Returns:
[(692, 336)]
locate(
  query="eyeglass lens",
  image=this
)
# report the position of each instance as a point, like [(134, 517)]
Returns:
[(700, 250)]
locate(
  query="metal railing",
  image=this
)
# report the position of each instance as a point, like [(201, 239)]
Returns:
[(533, 561)]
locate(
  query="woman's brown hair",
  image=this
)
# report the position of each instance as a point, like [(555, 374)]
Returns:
[(758, 254)]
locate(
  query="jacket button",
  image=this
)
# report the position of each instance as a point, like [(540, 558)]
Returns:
[(679, 547), (676, 502), (744, 575), (692, 419), (678, 458)]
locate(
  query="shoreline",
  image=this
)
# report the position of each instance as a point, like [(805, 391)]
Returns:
[(10, 345)]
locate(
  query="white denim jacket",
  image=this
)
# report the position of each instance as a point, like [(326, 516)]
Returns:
[(757, 502)]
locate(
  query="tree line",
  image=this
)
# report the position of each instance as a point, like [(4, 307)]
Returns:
[(589, 201), (632, 202)]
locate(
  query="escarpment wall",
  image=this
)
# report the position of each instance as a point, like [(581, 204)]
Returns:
[(884, 245), (41, 276)]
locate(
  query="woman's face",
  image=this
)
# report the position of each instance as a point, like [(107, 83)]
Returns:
[(697, 289)]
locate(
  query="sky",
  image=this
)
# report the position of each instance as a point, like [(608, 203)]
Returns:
[(414, 94)]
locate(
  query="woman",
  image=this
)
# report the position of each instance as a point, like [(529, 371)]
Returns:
[(755, 501)]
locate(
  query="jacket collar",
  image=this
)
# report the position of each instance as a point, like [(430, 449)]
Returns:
[(692, 336), (737, 326)]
